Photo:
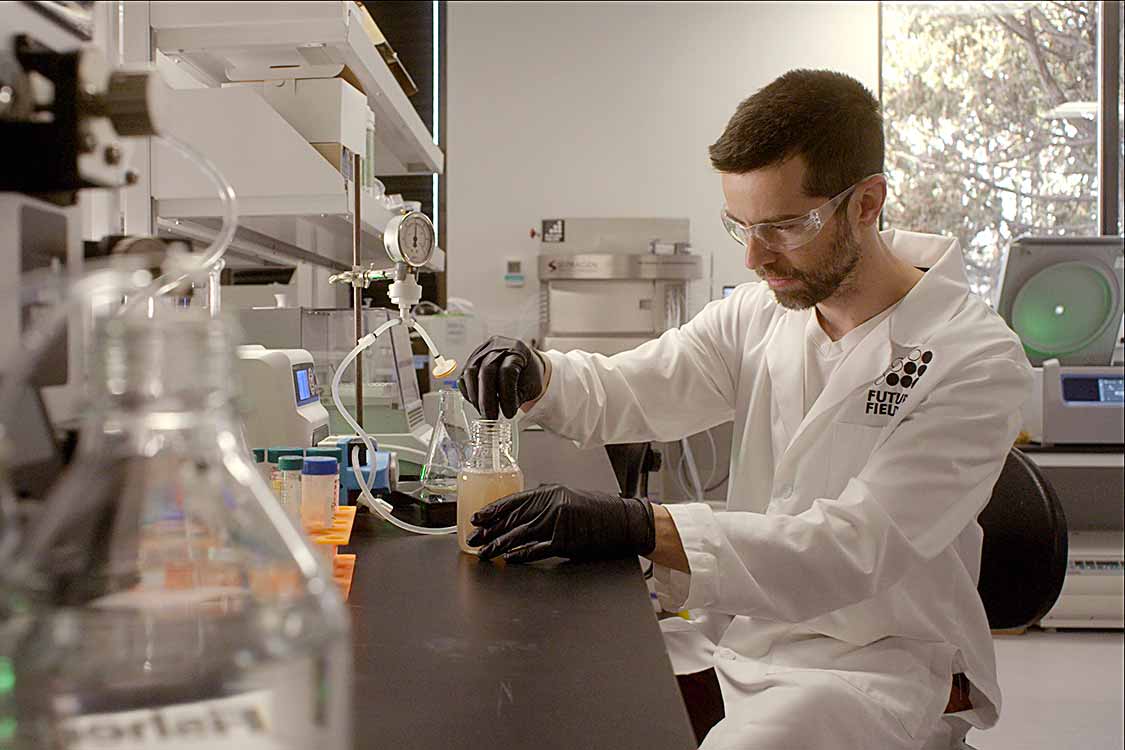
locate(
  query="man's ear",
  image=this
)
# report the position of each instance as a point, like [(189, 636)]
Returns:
[(868, 200)]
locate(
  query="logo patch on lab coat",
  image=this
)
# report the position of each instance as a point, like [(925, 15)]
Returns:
[(877, 404)]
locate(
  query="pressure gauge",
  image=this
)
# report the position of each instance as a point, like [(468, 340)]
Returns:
[(410, 238)]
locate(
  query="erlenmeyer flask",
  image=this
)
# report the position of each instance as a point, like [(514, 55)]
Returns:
[(447, 445), (161, 595)]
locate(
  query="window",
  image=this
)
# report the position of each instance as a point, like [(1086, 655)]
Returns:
[(991, 113)]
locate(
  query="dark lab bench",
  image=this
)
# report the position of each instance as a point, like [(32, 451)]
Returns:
[(452, 652)]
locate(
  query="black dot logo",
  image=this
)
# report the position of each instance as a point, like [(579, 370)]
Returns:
[(910, 368), (921, 370), (927, 358), (892, 379), (907, 381)]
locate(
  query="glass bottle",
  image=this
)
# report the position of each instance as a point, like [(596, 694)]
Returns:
[(161, 594), (447, 445), (488, 474)]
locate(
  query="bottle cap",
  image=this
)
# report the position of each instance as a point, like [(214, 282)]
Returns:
[(336, 452), (291, 463), (320, 466), (275, 453), (259, 455)]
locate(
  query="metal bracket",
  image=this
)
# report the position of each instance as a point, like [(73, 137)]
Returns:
[(360, 278)]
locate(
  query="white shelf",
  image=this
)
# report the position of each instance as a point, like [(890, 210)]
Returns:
[(207, 35), (274, 171)]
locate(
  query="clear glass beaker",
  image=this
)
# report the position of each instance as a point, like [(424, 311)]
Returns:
[(161, 584), (448, 445), (488, 474)]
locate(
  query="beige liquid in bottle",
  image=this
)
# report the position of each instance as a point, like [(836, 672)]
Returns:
[(475, 490)]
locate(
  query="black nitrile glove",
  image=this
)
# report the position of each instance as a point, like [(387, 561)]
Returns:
[(556, 521), (501, 375)]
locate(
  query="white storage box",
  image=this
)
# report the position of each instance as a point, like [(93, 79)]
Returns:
[(323, 110)]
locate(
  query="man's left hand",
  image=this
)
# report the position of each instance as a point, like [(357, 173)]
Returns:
[(556, 521)]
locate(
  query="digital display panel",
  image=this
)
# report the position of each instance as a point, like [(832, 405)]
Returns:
[(305, 382), (1111, 390), (1093, 390)]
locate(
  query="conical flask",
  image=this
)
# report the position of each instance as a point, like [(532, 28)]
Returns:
[(447, 445), (161, 596)]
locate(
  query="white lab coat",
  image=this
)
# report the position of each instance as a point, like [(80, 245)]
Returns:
[(846, 561)]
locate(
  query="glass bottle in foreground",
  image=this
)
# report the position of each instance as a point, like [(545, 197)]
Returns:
[(488, 474), (162, 594)]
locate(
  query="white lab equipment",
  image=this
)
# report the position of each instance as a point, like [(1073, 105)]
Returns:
[(1094, 588), (605, 289), (281, 397), (392, 404), (1083, 405), (1064, 297)]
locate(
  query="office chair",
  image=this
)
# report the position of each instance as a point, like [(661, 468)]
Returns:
[(632, 463), (1024, 558)]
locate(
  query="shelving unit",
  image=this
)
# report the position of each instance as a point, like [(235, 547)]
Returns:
[(208, 36), (281, 181)]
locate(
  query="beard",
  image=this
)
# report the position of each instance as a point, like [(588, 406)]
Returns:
[(817, 285)]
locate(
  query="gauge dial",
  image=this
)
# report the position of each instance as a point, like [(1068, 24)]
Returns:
[(410, 239)]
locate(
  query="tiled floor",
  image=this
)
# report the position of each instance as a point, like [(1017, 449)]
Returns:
[(1062, 691)]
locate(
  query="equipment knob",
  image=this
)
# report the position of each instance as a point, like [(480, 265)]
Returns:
[(133, 101)]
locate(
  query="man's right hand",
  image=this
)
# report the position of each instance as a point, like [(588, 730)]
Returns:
[(502, 375)]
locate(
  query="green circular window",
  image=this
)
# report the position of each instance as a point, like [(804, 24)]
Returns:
[(1062, 309)]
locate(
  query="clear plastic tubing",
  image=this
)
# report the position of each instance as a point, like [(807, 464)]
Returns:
[(381, 507), (213, 253)]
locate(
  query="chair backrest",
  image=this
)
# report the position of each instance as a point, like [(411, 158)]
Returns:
[(1024, 560), (629, 464)]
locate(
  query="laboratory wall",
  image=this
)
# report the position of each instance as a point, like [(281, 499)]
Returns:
[(607, 110)]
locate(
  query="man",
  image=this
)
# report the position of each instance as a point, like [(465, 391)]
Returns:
[(874, 400)]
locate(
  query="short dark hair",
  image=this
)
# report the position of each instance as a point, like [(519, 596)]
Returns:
[(827, 118)]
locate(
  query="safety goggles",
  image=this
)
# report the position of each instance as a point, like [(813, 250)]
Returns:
[(783, 236)]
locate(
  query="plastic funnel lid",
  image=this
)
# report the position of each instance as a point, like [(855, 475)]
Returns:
[(291, 463), (259, 455), (273, 454), (320, 466)]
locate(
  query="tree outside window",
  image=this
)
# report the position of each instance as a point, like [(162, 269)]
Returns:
[(991, 123)]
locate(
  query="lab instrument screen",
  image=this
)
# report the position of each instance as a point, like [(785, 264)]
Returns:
[(1111, 390), (305, 382), (1094, 390)]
